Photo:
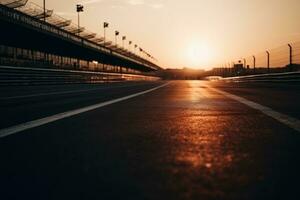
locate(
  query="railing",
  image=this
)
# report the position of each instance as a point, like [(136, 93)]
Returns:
[(13, 56), (293, 77), (39, 76)]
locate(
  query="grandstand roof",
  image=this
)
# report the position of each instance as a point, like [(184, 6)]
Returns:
[(13, 3), (58, 21), (88, 35), (73, 28), (108, 43), (97, 39), (34, 10)]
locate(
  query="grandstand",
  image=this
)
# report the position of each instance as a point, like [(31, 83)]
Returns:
[(31, 37)]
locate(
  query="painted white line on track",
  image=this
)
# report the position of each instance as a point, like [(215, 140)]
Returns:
[(63, 92), (282, 118), (39, 122), (46, 94)]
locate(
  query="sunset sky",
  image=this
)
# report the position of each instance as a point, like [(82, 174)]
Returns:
[(191, 33)]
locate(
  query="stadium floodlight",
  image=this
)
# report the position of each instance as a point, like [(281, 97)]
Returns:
[(79, 9)]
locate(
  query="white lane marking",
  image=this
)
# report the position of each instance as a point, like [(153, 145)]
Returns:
[(63, 92), (284, 119), (35, 123), (46, 94)]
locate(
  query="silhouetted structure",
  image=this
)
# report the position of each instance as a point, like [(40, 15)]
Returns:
[(182, 74), (282, 59), (27, 40)]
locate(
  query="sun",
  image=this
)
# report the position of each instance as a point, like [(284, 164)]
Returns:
[(199, 55)]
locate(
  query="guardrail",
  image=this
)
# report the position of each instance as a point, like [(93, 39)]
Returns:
[(39, 76), (273, 77)]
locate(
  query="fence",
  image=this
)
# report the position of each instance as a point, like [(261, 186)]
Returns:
[(285, 58)]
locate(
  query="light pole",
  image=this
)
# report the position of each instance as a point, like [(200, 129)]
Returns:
[(130, 42), (254, 63), (291, 54), (245, 63), (141, 51), (79, 8), (135, 46), (123, 40), (116, 37), (105, 25), (44, 6), (268, 60)]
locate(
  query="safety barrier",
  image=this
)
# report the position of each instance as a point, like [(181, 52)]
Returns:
[(39, 76)]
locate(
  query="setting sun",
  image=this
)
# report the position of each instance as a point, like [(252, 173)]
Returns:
[(199, 55)]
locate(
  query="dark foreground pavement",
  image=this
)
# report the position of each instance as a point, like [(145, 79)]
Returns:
[(182, 141)]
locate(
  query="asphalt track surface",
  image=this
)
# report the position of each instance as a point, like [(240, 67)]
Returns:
[(181, 141)]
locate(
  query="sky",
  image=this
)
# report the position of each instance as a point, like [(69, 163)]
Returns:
[(199, 34)]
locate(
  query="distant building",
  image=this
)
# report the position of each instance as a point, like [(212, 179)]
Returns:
[(238, 68), (182, 74)]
